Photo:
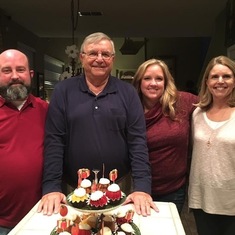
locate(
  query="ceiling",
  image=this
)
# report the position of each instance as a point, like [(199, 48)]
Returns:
[(121, 18)]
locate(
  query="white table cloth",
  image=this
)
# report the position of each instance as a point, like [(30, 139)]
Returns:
[(166, 222)]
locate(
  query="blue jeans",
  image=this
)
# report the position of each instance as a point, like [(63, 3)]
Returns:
[(4, 231), (177, 197)]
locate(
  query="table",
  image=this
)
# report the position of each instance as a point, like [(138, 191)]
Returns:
[(166, 222)]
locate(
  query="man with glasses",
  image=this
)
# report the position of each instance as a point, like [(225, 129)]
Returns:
[(96, 120)]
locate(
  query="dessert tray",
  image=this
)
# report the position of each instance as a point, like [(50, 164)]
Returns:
[(94, 208)]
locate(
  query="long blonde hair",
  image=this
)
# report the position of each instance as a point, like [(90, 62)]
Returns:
[(205, 96), (170, 94)]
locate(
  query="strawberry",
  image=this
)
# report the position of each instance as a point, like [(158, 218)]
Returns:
[(63, 210)]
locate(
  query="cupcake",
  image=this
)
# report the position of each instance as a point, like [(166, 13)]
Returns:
[(121, 217), (84, 229), (93, 221), (74, 218), (86, 184), (98, 200), (105, 231), (127, 229), (109, 222), (103, 184), (64, 233), (114, 193), (120, 233), (79, 197)]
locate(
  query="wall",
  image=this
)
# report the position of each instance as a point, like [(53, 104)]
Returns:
[(127, 62), (56, 48), (190, 54), (217, 46), (15, 36)]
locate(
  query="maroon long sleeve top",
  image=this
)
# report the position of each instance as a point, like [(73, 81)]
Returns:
[(168, 143)]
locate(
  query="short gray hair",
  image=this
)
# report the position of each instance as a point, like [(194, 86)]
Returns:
[(95, 38)]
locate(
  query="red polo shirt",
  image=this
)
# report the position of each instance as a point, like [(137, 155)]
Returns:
[(21, 158)]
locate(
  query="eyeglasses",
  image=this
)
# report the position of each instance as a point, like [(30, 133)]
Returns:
[(94, 54)]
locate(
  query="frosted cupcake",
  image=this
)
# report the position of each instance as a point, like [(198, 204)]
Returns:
[(121, 217), (103, 184), (64, 233), (79, 198), (105, 231), (98, 200), (93, 221), (109, 222), (74, 218), (113, 193), (84, 229), (121, 233), (127, 229), (86, 184)]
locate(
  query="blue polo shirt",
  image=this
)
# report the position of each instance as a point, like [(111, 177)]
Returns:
[(88, 131)]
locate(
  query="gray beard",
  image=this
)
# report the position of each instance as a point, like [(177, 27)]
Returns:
[(14, 93)]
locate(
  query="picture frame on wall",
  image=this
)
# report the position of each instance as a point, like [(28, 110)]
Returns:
[(126, 75)]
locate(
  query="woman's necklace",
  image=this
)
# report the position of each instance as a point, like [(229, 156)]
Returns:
[(216, 124)]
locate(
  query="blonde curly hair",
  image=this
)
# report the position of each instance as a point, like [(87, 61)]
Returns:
[(170, 94)]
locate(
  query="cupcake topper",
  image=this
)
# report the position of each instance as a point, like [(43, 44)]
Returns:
[(129, 215), (113, 175), (94, 186), (63, 224), (63, 210), (103, 171), (96, 171), (95, 181), (84, 173), (79, 179), (102, 228)]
